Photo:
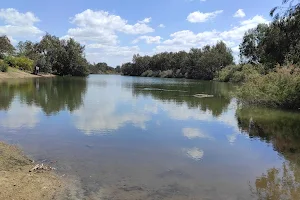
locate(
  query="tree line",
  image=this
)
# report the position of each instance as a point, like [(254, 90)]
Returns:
[(103, 68), (198, 63), (52, 55), (274, 43)]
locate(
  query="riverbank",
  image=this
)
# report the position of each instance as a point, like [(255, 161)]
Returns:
[(16, 182), (15, 73)]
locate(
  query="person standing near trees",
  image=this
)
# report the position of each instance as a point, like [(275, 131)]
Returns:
[(37, 69)]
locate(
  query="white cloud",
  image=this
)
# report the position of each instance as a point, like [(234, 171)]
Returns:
[(88, 34), (113, 55), (148, 39), (20, 116), (98, 30), (194, 153), (237, 33), (18, 24), (102, 27), (239, 13), (13, 17), (197, 17), (146, 20), (161, 26), (192, 133), (186, 39)]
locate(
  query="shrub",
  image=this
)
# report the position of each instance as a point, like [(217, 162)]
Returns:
[(22, 63), (25, 63), (148, 73), (239, 73), (166, 74), (280, 88), (11, 61), (3, 66)]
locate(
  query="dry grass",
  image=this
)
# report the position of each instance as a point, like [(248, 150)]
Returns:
[(15, 73)]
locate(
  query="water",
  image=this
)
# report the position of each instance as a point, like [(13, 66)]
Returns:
[(121, 137)]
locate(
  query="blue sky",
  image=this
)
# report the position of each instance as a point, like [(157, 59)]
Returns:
[(114, 30)]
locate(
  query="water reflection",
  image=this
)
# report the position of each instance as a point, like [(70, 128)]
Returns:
[(51, 95), (163, 142), (192, 133), (183, 94), (104, 112), (20, 116), (278, 184), (194, 153), (282, 130), (6, 95)]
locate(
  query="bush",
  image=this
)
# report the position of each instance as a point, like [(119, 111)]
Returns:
[(280, 88), (166, 74), (239, 73), (22, 63), (3, 66), (148, 73)]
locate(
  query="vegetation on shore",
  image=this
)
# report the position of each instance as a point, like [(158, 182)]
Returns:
[(197, 64), (103, 68), (269, 62), (51, 55)]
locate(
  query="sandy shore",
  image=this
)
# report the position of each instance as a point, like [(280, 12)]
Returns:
[(16, 182), (15, 73)]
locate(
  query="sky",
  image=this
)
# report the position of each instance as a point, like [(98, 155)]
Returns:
[(114, 30)]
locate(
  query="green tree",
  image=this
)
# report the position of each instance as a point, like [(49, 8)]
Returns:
[(63, 57), (284, 10), (28, 49), (5, 46), (197, 64), (276, 43)]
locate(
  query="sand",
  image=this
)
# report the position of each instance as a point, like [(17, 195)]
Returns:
[(17, 183)]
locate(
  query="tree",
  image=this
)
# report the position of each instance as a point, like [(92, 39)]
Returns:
[(28, 49), (276, 43), (5, 46), (279, 11), (118, 69), (251, 47), (63, 57), (197, 64)]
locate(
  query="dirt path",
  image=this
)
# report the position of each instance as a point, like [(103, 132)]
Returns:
[(15, 73), (16, 182)]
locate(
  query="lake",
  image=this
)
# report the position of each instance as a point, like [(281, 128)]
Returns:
[(117, 137)]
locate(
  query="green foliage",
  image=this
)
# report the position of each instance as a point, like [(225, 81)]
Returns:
[(28, 49), (22, 63), (197, 64), (239, 73), (51, 55), (101, 68), (5, 46), (284, 10), (3, 66), (65, 57), (280, 88), (276, 43)]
